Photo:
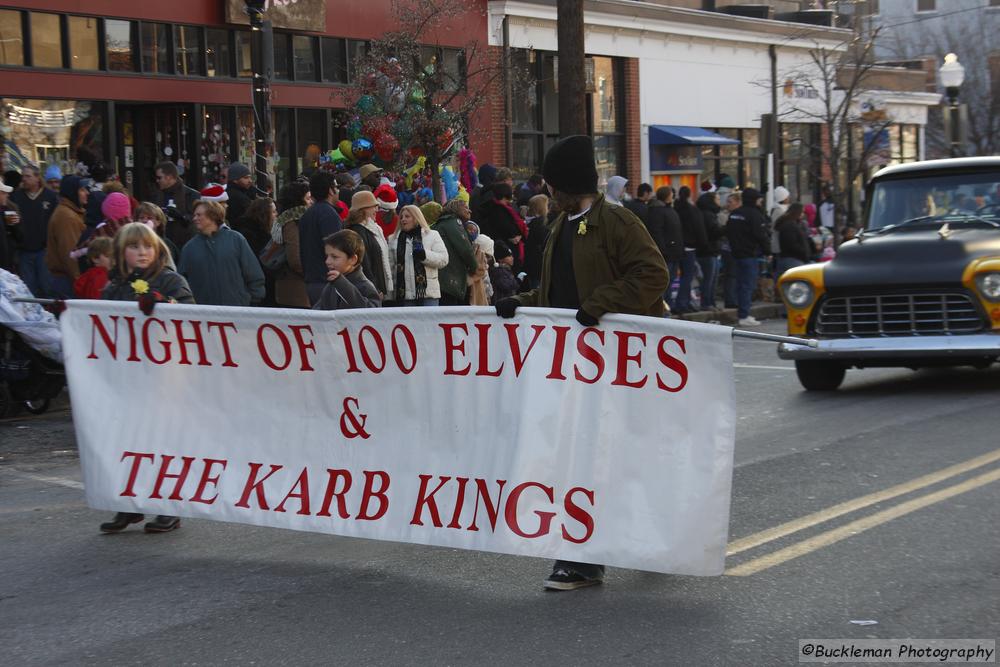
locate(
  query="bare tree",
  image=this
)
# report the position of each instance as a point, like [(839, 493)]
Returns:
[(572, 71), (834, 84), (417, 97)]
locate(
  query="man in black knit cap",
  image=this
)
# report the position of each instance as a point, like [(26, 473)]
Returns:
[(598, 259)]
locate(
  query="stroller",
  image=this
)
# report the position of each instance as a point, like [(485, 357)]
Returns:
[(31, 371)]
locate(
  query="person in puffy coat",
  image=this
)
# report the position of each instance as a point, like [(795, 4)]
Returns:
[(418, 253)]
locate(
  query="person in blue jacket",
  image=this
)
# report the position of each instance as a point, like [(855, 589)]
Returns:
[(218, 262)]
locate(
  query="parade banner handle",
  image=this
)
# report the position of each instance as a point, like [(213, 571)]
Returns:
[(774, 338)]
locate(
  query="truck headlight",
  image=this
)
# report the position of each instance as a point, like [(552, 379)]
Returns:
[(799, 293), (989, 285)]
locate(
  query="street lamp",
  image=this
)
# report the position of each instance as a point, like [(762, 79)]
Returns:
[(952, 74), (262, 66)]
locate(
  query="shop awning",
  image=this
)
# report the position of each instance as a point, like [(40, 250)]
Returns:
[(684, 135)]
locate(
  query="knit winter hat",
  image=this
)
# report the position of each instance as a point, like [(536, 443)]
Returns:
[(781, 193), (238, 171), (386, 196), (569, 166), (116, 206), (487, 174), (214, 192), (432, 211), (501, 250), (727, 182), (53, 173)]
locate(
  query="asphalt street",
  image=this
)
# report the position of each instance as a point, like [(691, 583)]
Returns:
[(878, 502)]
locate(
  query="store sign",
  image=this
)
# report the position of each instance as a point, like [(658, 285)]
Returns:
[(675, 158), (291, 14)]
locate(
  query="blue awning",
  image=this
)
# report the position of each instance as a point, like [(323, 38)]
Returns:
[(683, 135)]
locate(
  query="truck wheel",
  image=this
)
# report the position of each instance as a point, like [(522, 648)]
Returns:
[(820, 375)]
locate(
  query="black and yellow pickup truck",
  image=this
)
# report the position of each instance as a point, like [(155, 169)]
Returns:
[(918, 287)]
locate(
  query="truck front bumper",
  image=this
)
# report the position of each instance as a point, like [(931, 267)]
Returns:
[(909, 347)]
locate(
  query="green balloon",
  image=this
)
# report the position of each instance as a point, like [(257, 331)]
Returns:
[(345, 149)]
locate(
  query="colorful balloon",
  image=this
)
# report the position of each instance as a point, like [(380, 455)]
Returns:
[(367, 105), (363, 149), (345, 149)]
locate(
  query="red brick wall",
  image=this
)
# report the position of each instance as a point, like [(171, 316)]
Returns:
[(632, 165)]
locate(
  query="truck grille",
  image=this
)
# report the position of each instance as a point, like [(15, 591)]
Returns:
[(899, 315)]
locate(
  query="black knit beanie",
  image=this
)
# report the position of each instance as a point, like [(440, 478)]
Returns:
[(569, 166)]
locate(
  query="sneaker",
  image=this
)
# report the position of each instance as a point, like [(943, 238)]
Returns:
[(163, 524), (567, 580), (749, 321)]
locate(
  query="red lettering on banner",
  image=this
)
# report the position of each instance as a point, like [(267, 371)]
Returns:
[(459, 501), (164, 344), (484, 353), (129, 492), (673, 363), (492, 509), (450, 347), (207, 479), (621, 379), (559, 353), (180, 477), (132, 340), (515, 345), (302, 486), (255, 485), (285, 346), (303, 345), (510, 511), (370, 492), (97, 328), (333, 474), (579, 514), (224, 339), (423, 498), (590, 354), (197, 340)]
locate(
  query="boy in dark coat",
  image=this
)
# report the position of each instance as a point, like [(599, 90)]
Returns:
[(347, 286)]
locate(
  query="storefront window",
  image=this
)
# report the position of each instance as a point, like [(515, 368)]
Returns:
[(49, 132), (83, 43), (911, 149), (356, 50), (605, 97), (119, 41), (245, 151), (525, 155), (217, 58), (46, 40), (607, 152), (282, 124), (453, 68), (155, 48), (334, 60), (311, 139), (187, 50), (525, 103), (11, 40), (216, 143), (304, 52)]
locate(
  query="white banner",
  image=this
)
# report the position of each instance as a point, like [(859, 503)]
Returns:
[(446, 426)]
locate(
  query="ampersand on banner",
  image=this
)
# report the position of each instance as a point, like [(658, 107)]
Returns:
[(357, 422)]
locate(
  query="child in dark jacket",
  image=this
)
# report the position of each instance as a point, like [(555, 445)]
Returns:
[(502, 276), (347, 286), (91, 282)]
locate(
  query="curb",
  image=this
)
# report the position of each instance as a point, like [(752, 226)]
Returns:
[(762, 311)]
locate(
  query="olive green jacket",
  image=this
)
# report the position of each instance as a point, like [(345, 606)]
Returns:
[(617, 265)]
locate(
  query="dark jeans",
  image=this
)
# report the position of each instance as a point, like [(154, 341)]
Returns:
[(689, 267), (583, 569), (746, 277), (709, 273), (61, 287), (407, 303), (729, 297), (34, 273)]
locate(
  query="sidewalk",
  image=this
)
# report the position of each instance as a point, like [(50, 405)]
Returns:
[(761, 310)]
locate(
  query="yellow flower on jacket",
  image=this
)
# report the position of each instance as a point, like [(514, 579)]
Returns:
[(140, 286), (582, 229)]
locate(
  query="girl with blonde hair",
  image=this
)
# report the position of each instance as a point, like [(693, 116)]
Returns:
[(418, 252)]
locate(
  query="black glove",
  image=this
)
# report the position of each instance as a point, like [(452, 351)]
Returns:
[(419, 254), (585, 318), (507, 307)]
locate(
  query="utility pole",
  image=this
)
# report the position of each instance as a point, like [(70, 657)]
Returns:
[(262, 64), (572, 78)]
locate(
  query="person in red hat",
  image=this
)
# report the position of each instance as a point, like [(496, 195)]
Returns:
[(215, 192), (388, 202)]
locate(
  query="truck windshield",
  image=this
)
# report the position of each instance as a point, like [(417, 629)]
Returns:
[(935, 198)]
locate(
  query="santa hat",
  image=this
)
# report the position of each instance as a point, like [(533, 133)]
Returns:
[(214, 192), (386, 196), (341, 209), (707, 186)]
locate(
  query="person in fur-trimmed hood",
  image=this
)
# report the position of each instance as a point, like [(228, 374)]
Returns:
[(598, 259)]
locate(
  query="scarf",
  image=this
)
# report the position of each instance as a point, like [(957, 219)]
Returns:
[(376, 231), (419, 273), (522, 228)]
